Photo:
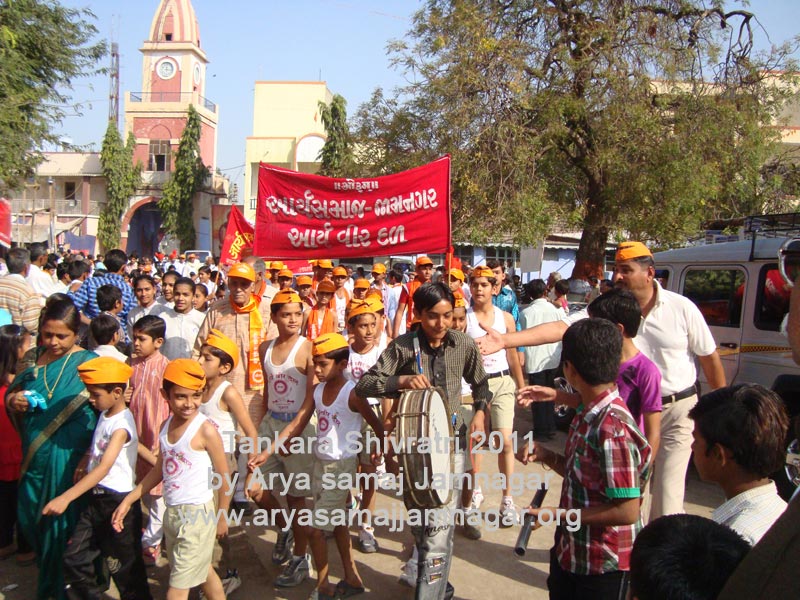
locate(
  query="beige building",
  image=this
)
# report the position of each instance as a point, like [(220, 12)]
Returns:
[(287, 131)]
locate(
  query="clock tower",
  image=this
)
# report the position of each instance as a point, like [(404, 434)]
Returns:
[(173, 78)]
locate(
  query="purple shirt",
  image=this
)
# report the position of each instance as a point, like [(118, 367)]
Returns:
[(639, 383)]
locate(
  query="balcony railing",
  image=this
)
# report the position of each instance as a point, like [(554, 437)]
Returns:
[(23, 206), (178, 97)]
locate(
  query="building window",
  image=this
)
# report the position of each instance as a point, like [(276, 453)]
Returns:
[(69, 190), (159, 155), (772, 302), (253, 203), (507, 255)]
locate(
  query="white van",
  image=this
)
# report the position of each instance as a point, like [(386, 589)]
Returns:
[(744, 299)]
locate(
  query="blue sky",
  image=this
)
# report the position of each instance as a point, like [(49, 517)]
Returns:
[(340, 42)]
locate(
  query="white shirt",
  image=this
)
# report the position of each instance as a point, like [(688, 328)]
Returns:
[(111, 352), (671, 335), (545, 356), (121, 476), (139, 311), (182, 330), (751, 513), (41, 282)]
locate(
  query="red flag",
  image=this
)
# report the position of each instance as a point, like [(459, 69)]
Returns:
[(301, 215), (5, 222), (238, 241)]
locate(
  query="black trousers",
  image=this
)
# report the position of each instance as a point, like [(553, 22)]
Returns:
[(564, 585), (94, 538), (544, 419), (8, 518)]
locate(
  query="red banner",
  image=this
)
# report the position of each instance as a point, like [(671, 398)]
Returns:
[(309, 216), (5, 222), (238, 242)]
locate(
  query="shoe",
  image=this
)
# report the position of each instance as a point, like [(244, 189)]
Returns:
[(345, 590), (150, 555), (283, 547), (477, 498), (409, 575), (380, 468), (231, 582), (508, 513), (366, 541), (449, 591), (294, 573), (471, 532)]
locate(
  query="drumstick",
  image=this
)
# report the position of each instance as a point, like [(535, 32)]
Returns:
[(418, 355)]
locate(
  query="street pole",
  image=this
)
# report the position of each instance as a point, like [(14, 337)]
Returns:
[(52, 240)]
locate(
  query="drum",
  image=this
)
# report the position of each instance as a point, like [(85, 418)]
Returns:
[(425, 439)]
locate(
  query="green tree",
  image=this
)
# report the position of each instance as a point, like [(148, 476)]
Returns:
[(177, 200), (122, 179), (44, 48), (336, 154), (618, 117)]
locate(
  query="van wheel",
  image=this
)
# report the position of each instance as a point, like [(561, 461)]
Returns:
[(788, 388)]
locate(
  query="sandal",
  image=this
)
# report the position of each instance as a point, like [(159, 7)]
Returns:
[(317, 595), (346, 590)]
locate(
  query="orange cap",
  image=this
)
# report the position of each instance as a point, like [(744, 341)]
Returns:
[(286, 297), (326, 286), (361, 284), (243, 271), (629, 250), (328, 342), (186, 373), (375, 293), (460, 301), (304, 280), (339, 272), (482, 271), (285, 273), (220, 341), (423, 260), (324, 263), (276, 265), (103, 370), (379, 268), (458, 274)]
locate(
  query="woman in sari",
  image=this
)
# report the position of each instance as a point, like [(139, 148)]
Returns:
[(55, 438)]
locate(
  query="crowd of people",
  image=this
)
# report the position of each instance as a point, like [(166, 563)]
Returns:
[(127, 380)]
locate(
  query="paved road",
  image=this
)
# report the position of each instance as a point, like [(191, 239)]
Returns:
[(481, 569)]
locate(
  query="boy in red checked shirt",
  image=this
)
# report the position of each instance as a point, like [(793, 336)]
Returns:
[(605, 469)]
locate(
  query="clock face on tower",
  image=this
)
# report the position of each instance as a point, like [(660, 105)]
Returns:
[(197, 73), (166, 69)]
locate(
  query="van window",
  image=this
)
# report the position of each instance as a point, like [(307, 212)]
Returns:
[(772, 302), (717, 293)]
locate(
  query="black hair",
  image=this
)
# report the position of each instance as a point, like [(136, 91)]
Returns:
[(620, 307), (184, 281), (204, 269), (201, 287), (11, 337), (224, 357), (37, 250), (77, 268), (747, 419), (170, 274), (62, 269), (430, 294), (144, 277), (684, 556), (493, 263), (115, 260), (536, 289), (151, 325), (61, 309), (107, 296), (562, 287), (645, 261), (353, 320), (17, 260), (103, 327), (594, 348), (395, 274), (338, 355), (109, 387)]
